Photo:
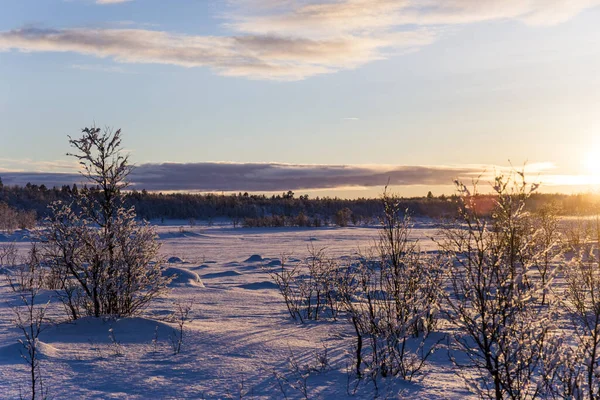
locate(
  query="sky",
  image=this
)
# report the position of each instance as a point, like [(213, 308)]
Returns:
[(327, 97)]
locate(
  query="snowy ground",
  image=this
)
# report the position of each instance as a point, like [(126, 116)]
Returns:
[(240, 339)]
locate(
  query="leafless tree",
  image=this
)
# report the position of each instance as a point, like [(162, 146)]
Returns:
[(104, 257), (493, 300), (391, 297)]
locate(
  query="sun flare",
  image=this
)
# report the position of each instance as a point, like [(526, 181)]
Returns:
[(592, 163)]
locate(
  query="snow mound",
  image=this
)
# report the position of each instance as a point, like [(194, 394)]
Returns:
[(223, 274), (254, 258), (95, 330), (11, 354), (274, 263), (231, 264), (259, 285), (175, 260), (203, 266), (183, 277)]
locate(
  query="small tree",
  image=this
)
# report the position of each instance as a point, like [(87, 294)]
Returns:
[(391, 298), (106, 258), (494, 299), (342, 216), (546, 248)]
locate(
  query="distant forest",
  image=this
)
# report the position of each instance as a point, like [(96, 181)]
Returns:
[(21, 206)]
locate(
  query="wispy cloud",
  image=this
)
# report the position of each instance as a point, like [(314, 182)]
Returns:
[(372, 16), (273, 177), (266, 57), (291, 40)]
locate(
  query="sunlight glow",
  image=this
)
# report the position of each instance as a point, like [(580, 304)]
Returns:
[(591, 163)]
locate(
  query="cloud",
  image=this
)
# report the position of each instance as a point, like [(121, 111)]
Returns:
[(266, 57), (369, 16), (292, 40), (273, 177)]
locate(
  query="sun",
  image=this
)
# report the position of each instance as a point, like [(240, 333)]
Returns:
[(592, 163)]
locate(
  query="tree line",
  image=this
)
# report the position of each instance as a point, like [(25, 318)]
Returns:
[(22, 205)]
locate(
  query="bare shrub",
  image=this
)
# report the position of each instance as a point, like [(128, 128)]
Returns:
[(563, 370), (546, 246), (309, 289), (115, 346), (29, 319), (582, 303), (27, 274), (391, 298), (8, 254), (297, 373), (493, 300), (181, 317), (285, 279)]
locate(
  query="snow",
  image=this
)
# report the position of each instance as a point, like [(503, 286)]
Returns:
[(254, 258), (239, 340), (183, 277), (19, 235)]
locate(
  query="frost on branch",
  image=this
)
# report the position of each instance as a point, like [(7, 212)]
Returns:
[(103, 257)]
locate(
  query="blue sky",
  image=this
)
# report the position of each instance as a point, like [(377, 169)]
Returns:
[(329, 96)]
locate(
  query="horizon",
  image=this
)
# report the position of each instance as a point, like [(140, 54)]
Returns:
[(322, 97), (484, 188)]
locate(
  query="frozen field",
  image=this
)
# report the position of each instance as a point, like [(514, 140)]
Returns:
[(241, 337)]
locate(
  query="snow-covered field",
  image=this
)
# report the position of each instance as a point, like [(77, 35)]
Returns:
[(240, 340)]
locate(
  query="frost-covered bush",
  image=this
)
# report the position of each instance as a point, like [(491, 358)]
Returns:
[(11, 218), (104, 259), (546, 247), (497, 296), (582, 306), (309, 289), (8, 254), (392, 300)]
